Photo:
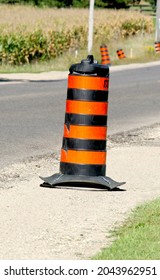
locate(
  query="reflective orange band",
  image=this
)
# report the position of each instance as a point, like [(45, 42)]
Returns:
[(88, 82), (86, 107), (104, 49), (83, 157), (85, 132)]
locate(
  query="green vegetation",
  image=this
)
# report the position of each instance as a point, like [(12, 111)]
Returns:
[(137, 49), (34, 34), (138, 238), (17, 49), (74, 3), (153, 3)]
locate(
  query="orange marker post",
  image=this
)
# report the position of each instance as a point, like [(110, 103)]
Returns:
[(105, 55), (120, 54), (157, 47)]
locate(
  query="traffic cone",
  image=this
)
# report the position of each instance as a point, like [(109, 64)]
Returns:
[(120, 54), (105, 55), (83, 152), (157, 47)]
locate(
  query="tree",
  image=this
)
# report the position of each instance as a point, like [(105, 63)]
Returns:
[(153, 3), (115, 3), (76, 3)]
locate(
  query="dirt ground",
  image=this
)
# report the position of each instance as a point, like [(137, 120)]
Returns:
[(69, 223)]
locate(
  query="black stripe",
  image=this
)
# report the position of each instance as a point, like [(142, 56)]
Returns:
[(82, 169), (88, 95), (79, 119), (83, 144)]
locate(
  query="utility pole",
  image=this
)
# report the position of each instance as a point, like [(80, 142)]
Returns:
[(90, 27), (157, 37)]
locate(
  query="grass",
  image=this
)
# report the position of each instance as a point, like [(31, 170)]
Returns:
[(138, 238), (28, 18), (138, 48)]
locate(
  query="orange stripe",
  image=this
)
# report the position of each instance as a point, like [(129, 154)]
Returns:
[(104, 52), (103, 49), (105, 57), (85, 132), (83, 157), (157, 46), (105, 61), (86, 107), (87, 82)]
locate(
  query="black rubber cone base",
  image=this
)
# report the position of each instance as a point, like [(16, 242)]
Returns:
[(101, 182)]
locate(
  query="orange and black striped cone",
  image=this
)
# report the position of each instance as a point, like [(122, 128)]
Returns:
[(83, 153), (157, 47), (120, 54), (105, 58)]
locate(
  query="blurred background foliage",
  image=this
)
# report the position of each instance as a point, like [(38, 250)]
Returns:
[(79, 3)]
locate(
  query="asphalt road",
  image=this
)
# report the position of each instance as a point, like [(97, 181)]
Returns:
[(32, 113)]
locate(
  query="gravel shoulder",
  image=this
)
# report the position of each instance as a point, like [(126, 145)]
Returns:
[(68, 223)]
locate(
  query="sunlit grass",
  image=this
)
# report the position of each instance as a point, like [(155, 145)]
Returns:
[(137, 48), (29, 18), (138, 238)]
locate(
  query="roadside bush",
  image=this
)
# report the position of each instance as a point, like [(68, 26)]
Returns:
[(16, 49), (20, 49), (22, 43), (131, 27)]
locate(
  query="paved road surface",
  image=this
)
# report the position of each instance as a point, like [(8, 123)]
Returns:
[(36, 223), (32, 112)]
